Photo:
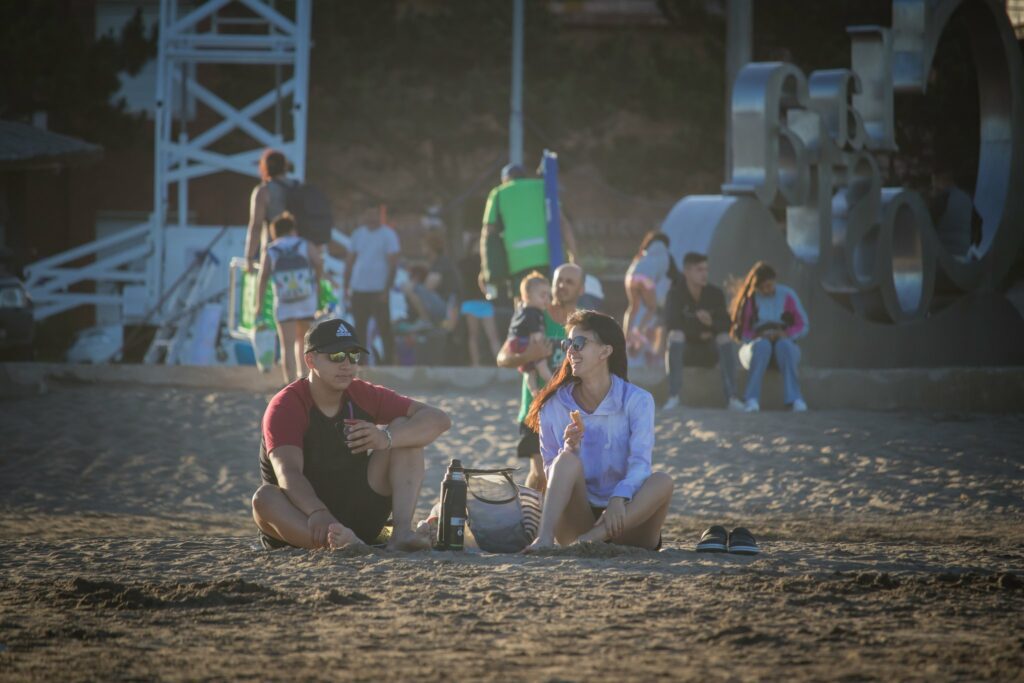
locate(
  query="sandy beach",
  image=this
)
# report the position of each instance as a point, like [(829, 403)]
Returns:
[(893, 549)]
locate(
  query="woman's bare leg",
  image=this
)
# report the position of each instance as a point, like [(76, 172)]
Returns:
[(473, 333), (301, 327), (536, 479), (566, 511), (286, 335), (633, 305), (645, 515), (491, 330), (650, 301)]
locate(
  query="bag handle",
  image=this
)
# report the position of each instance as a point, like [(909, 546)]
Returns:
[(505, 472), (498, 470)]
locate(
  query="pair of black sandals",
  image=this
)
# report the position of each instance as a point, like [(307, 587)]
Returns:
[(739, 541)]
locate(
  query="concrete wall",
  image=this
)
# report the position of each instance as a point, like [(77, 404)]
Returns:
[(943, 389)]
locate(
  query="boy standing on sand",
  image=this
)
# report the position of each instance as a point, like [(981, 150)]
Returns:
[(331, 474)]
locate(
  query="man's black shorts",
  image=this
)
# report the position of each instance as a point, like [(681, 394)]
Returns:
[(529, 442)]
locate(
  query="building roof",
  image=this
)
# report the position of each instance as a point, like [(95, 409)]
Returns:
[(24, 147)]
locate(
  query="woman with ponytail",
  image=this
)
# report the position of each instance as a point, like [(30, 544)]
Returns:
[(767, 319), (596, 437)]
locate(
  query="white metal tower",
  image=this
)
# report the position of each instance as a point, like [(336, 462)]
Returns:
[(217, 32), (133, 269)]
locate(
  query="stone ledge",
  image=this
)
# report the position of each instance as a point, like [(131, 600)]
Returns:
[(956, 389), (245, 378)]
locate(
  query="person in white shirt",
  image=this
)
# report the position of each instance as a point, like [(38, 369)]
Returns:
[(596, 437), (370, 272)]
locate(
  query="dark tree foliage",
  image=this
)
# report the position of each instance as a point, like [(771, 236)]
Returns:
[(431, 90), (53, 64), (936, 129)]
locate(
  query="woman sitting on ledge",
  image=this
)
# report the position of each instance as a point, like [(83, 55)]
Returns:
[(596, 436), (767, 319)]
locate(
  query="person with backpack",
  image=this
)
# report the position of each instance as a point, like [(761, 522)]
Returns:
[(278, 193), (268, 200), (514, 237), (294, 267)]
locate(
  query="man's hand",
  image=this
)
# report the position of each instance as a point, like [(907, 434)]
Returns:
[(704, 317), (318, 524), (535, 350), (362, 436), (615, 517), (538, 348)]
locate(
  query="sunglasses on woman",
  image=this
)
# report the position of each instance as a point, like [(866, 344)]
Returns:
[(576, 343), (352, 356)]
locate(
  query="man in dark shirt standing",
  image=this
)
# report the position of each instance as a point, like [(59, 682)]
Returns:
[(698, 326), (331, 474)]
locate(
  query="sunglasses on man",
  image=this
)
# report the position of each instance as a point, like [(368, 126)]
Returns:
[(576, 343), (352, 356)]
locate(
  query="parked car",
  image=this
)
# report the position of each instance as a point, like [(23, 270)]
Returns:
[(17, 320)]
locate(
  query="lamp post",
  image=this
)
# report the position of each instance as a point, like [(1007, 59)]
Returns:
[(515, 121)]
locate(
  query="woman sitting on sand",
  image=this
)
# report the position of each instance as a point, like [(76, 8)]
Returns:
[(596, 435)]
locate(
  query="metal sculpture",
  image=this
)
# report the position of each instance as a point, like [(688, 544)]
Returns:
[(805, 148)]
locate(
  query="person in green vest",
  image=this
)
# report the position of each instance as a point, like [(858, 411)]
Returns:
[(566, 288), (514, 238)]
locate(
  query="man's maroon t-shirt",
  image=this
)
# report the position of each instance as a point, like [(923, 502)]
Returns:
[(293, 419), (287, 416)]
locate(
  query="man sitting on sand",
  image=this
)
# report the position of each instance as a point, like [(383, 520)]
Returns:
[(331, 476)]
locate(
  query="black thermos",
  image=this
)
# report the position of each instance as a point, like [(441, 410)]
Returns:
[(451, 525)]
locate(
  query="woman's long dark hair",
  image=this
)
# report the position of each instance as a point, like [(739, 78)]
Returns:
[(651, 236), (658, 236), (607, 332), (272, 164), (759, 272)]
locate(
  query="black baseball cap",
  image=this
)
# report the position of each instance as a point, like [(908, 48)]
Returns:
[(331, 336)]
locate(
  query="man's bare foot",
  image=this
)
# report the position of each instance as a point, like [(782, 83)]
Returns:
[(538, 545), (340, 536), (409, 541)]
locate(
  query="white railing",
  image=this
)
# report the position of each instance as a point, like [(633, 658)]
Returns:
[(122, 260)]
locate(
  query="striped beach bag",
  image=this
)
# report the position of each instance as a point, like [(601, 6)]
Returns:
[(502, 515)]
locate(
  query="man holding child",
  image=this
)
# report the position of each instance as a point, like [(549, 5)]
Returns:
[(567, 286)]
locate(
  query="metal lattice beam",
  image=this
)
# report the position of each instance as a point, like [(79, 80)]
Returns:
[(202, 37)]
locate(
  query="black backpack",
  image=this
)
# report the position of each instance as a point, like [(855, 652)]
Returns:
[(312, 212)]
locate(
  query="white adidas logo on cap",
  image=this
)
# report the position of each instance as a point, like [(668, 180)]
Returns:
[(342, 331)]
